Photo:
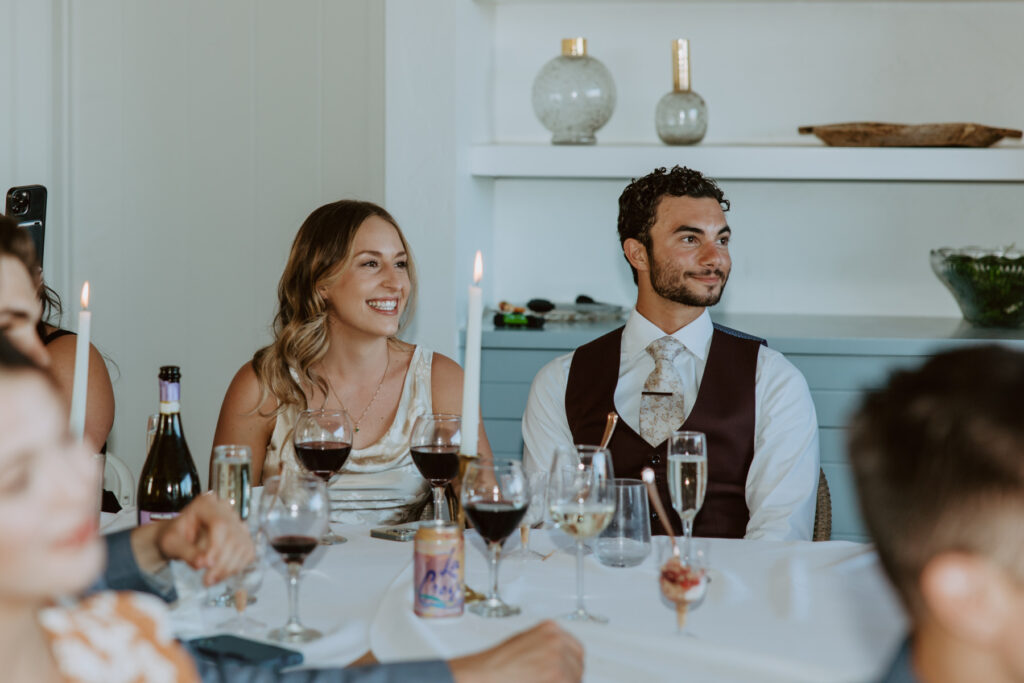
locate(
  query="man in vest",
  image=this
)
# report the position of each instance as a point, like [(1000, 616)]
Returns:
[(671, 368)]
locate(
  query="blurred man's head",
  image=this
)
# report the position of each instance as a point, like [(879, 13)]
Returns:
[(938, 456)]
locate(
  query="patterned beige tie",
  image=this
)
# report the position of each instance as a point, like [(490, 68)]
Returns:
[(662, 410)]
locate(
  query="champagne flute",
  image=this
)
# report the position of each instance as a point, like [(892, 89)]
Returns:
[(581, 499), (434, 445), (323, 441), (538, 482), (684, 582), (495, 496), (687, 478), (293, 515)]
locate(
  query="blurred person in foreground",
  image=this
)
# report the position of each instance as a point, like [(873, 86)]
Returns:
[(52, 552), (938, 456)]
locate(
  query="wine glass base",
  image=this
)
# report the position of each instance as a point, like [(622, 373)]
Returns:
[(583, 615), (493, 607), (294, 635), (331, 538), (242, 624)]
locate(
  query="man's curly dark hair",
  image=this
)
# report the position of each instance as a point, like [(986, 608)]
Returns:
[(638, 203)]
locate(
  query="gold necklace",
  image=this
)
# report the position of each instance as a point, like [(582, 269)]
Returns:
[(355, 424)]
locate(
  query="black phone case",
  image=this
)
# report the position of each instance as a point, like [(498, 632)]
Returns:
[(27, 205), (251, 651)]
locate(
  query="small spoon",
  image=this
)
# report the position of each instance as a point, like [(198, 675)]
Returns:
[(609, 428)]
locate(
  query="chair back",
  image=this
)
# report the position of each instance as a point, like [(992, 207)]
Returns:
[(118, 479)]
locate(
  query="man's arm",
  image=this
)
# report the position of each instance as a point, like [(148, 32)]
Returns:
[(782, 483), (545, 425)]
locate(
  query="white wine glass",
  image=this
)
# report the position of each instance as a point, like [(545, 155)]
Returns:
[(687, 479), (323, 442), (581, 499), (434, 446), (293, 515), (495, 496)]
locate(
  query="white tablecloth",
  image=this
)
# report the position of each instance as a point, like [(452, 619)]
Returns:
[(795, 611), (786, 612)]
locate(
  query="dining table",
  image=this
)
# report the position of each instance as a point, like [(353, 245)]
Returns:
[(786, 611)]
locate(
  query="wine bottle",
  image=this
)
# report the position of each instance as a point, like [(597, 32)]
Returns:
[(169, 478), (681, 117)]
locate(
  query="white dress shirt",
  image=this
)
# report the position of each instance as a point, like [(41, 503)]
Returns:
[(781, 488)]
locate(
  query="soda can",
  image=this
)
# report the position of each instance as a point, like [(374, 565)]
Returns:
[(438, 571)]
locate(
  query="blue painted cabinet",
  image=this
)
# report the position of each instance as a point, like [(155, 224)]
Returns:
[(840, 356)]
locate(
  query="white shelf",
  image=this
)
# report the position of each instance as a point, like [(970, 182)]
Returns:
[(1003, 163)]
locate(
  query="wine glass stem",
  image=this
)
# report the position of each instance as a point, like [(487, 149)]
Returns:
[(439, 503), (579, 576), (687, 536), (294, 569), (495, 549)]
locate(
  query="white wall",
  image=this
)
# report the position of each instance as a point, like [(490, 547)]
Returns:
[(766, 68), (200, 136)]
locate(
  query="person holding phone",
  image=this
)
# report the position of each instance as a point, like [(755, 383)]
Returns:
[(52, 550), (35, 324), (347, 291)]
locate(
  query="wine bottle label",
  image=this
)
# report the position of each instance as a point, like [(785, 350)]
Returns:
[(145, 516), (170, 395)]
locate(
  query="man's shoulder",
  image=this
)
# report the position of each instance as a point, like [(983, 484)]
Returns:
[(740, 334)]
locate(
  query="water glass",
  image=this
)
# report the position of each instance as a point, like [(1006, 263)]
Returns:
[(626, 541), (232, 467)]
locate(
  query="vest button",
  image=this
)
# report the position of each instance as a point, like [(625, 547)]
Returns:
[(655, 459)]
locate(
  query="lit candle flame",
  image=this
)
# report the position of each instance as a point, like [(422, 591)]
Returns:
[(478, 268), (85, 295)]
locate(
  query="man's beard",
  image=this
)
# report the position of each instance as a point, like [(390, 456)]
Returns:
[(672, 285)]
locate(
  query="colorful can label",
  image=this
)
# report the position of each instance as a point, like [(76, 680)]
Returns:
[(438, 571)]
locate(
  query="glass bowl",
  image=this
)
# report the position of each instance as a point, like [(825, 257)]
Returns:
[(988, 284)]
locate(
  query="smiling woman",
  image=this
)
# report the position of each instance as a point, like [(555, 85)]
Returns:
[(347, 291)]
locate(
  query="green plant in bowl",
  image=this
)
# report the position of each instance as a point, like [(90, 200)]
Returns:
[(988, 284)]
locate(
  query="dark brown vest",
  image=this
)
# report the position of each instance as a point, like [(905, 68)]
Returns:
[(724, 411)]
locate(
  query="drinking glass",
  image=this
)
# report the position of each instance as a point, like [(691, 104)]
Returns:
[(684, 581), (495, 496), (323, 441), (293, 514), (231, 483), (232, 466), (581, 499), (626, 541), (434, 445), (687, 478)]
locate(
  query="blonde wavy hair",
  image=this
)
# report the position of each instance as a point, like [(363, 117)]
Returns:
[(321, 252)]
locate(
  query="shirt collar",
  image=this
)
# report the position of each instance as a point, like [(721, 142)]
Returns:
[(640, 332)]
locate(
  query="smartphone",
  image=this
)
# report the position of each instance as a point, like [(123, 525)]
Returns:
[(250, 651), (27, 206), (400, 532)]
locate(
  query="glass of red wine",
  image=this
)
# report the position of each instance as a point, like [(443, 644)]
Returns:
[(293, 514), (495, 495), (323, 441), (435, 445)]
